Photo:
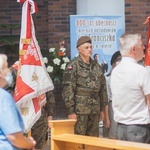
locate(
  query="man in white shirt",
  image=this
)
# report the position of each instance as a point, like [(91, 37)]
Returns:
[(130, 85)]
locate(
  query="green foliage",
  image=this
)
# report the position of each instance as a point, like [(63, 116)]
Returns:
[(9, 39)]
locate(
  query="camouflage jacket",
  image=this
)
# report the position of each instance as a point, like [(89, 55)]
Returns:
[(84, 87)]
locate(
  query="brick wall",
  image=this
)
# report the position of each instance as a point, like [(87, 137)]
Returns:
[(58, 20), (136, 12), (10, 13)]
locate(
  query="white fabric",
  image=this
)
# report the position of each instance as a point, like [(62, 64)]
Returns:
[(108, 88), (129, 83)]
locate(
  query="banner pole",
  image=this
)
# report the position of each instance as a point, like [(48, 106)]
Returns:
[(29, 134)]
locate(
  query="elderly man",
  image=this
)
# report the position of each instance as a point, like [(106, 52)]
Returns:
[(130, 85), (11, 123), (84, 90)]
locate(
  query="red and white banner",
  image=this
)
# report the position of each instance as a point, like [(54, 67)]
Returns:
[(32, 78), (147, 51)]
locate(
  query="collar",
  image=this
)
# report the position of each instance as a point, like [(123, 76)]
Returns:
[(91, 60), (124, 58)]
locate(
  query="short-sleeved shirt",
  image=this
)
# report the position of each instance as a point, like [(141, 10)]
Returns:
[(108, 88), (10, 119), (130, 82)]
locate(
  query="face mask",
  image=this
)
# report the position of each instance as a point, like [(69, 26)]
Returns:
[(9, 79)]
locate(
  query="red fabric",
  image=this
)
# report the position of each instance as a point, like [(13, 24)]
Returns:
[(21, 1), (21, 93), (147, 48), (37, 102)]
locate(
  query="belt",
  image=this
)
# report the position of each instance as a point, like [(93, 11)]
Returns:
[(92, 94), (143, 125)]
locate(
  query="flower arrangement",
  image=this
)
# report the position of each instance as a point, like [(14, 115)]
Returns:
[(56, 62)]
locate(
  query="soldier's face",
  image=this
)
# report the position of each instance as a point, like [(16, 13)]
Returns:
[(85, 49)]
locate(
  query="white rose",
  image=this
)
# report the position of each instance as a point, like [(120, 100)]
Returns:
[(62, 49), (66, 59), (49, 69), (56, 61), (63, 66), (51, 50), (45, 60)]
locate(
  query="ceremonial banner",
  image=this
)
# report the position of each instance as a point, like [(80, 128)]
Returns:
[(32, 78), (147, 51)]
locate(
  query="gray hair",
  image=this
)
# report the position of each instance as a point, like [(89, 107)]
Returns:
[(3, 61), (127, 41)]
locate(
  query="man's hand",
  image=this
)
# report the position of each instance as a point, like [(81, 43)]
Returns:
[(101, 116), (50, 118), (33, 141), (72, 116), (20, 141), (107, 123)]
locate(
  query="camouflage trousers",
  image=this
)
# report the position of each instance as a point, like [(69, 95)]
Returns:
[(39, 130), (87, 124)]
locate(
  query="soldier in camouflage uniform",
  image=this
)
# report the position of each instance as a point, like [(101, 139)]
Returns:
[(39, 129), (84, 90)]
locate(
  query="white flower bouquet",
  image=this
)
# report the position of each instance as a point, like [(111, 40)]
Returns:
[(56, 62)]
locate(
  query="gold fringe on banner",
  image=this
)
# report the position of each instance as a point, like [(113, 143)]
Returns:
[(29, 134)]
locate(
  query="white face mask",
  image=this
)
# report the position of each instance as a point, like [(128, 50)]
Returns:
[(9, 79)]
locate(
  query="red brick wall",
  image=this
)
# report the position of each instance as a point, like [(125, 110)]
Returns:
[(136, 12), (59, 21), (41, 23), (10, 13)]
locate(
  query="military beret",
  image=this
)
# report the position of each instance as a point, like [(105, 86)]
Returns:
[(114, 57), (83, 39)]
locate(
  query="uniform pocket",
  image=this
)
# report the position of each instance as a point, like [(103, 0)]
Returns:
[(83, 77)]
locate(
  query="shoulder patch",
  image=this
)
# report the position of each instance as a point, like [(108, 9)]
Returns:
[(69, 67)]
